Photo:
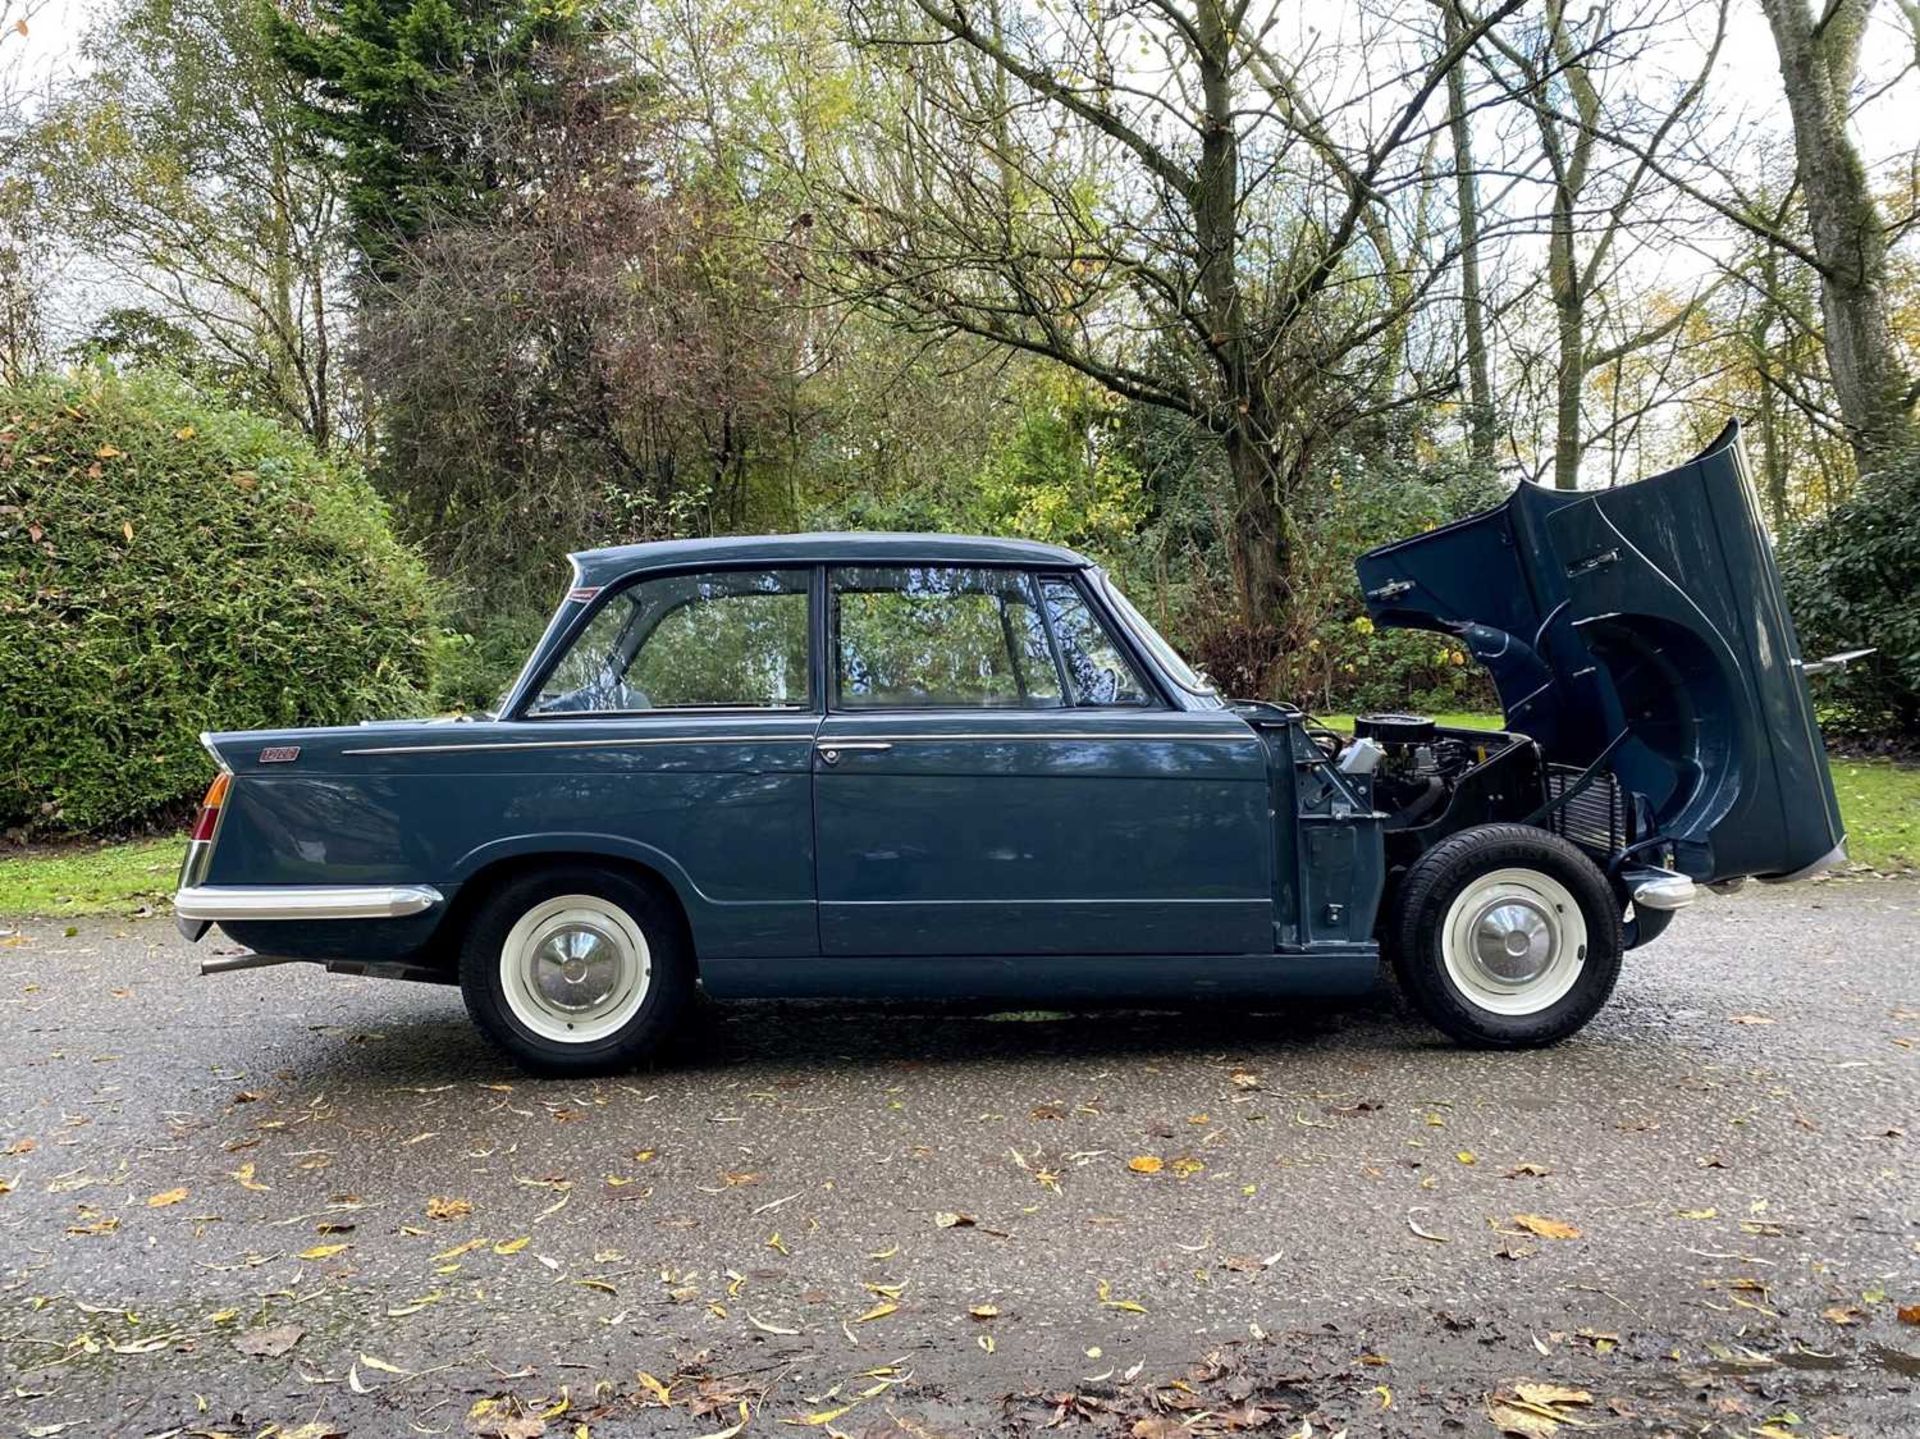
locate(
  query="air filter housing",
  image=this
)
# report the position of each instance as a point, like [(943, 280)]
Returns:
[(1395, 729)]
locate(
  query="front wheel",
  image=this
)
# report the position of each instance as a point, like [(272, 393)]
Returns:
[(576, 970), (1506, 937)]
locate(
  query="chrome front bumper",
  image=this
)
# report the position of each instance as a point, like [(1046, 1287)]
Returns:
[(1659, 889), (210, 902)]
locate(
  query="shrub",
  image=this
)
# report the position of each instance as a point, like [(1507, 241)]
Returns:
[(169, 566), (1853, 580)]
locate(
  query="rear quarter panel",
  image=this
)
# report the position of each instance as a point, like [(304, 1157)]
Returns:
[(721, 809)]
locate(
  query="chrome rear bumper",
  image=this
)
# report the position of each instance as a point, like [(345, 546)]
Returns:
[(303, 901)]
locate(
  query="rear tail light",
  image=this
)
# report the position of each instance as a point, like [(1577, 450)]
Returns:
[(209, 819)]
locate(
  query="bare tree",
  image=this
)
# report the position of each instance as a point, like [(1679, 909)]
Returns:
[(1483, 441), (1204, 207), (181, 170), (1576, 76)]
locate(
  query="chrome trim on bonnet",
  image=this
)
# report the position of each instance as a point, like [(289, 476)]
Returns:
[(304, 901)]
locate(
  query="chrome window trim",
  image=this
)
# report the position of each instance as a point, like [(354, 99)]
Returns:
[(1124, 611), (304, 901)]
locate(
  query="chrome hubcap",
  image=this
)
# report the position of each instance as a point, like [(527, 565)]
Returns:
[(576, 967), (1513, 940)]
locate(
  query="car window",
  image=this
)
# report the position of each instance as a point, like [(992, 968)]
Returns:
[(931, 637), (729, 639), (1097, 669)]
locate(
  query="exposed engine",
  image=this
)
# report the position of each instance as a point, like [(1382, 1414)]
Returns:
[(1414, 764)]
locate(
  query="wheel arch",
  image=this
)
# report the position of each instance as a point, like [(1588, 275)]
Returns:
[(486, 869)]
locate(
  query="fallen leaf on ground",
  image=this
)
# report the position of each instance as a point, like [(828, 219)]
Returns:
[(322, 1251), (513, 1246), (445, 1206), (166, 1197), (879, 1311), (269, 1343), (504, 1417), (1546, 1228), (244, 1174), (731, 1429), (1549, 1394), (948, 1219), (1145, 1164), (1909, 1313)]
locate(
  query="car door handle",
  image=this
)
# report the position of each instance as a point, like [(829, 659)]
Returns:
[(831, 750)]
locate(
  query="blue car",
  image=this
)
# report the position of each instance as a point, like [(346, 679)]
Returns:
[(926, 766)]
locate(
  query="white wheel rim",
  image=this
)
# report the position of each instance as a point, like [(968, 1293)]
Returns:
[(1514, 942), (575, 968)]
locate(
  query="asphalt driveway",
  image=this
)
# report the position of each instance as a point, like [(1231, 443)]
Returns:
[(289, 1198)]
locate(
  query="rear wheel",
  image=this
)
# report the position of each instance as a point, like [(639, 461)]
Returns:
[(1506, 937), (576, 969)]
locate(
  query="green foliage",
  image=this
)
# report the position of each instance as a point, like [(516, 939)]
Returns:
[(1337, 659), (1853, 580), (397, 83), (168, 566), (473, 667)]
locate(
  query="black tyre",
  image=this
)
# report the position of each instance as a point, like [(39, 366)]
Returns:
[(577, 969), (1506, 937)]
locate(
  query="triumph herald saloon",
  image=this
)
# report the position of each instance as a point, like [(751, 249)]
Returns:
[(895, 765)]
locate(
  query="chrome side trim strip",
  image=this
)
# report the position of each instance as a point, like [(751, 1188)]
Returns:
[(518, 744), (304, 901), (849, 743), (1054, 736), (1250, 902)]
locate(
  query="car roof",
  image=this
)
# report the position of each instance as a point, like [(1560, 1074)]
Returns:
[(847, 547)]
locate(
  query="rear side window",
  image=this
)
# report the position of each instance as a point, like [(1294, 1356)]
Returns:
[(729, 639), (940, 637), (1098, 672)]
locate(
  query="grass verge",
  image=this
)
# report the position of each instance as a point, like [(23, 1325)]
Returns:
[(59, 880)]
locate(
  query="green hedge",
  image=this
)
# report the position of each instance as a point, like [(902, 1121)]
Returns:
[(1853, 580), (168, 566)]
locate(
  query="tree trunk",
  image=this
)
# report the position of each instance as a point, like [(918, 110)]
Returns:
[(1817, 66), (1480, 417), (1570, 373), (1256, 544)]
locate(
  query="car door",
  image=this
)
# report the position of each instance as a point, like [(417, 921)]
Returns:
[(997, 774), (678, 726)]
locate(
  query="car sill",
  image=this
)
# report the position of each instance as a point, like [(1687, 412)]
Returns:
[(304, 901)]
